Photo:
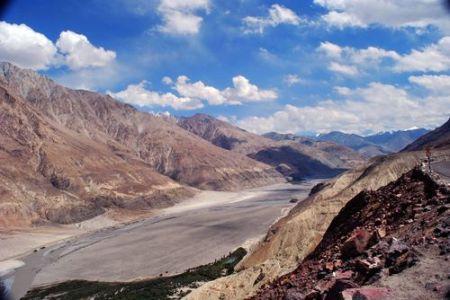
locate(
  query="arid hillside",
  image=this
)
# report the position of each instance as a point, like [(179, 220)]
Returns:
[(391, 243), (296, 159), (69, 154), (294, 237)]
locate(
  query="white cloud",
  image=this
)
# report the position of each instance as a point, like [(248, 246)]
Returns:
[(180, 16), (199, 90), (435, 57), (80, 53), (439, 84), (193, 95), (351, 61), (138, 95), (390, 13), (292, 79), (21, 45), (343, 69), (244, 91), (379, 107), (277, 15)]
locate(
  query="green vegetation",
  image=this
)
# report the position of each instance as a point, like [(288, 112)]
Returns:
[(157, 288)]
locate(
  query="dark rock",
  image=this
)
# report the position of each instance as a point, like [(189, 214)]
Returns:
[(356, 244), (259, 278), (339, 286), (365, 293), (294, 294)]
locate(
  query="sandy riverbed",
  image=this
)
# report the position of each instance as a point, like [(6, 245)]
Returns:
[(192, 233)]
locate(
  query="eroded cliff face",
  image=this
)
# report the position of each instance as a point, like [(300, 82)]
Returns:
[(292, 238), (67, 155)]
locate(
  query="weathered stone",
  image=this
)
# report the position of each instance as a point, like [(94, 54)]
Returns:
[(356, 244), (365, 293)]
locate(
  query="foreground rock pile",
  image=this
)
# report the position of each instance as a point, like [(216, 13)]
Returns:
[(374, 241)]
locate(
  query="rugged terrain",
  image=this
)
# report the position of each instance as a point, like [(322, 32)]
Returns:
[(436, 139), (390, 243), (295, 159), (378, 144), (292, 238), (68, 155)]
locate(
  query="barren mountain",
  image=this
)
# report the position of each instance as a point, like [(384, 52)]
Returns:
[(67, 154), (436, 139), (292, 238), (291, 158)]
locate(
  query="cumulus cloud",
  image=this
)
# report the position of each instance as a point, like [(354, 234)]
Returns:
[(277, 15), (27, 48), (351, 61), (193, 95), (391, 13), (79, 53), (439, 84), (21, 45), (435, 57), (380, 107), (241, 92), (180, 17), (137, 94)]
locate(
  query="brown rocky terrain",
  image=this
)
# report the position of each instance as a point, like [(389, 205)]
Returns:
[(370, 244), (296, 159), (292, 238), (67, 155), (436, 139)]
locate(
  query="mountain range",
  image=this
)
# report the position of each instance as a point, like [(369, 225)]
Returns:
[(68, 155), (297, 160), (378, 144)]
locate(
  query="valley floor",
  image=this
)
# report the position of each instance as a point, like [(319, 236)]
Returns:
[(193, 233)]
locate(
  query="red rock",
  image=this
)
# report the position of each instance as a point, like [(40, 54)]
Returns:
[(356, 244), (343, 274), (366, 293)]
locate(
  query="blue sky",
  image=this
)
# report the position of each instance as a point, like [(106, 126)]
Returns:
[(359, 66)]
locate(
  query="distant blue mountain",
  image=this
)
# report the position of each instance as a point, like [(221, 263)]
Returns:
[(377, 144)]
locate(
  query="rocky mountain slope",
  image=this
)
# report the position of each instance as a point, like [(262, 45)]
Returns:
[(436, 139), (68, 154), (377, 144), (401, 229), (294, 237), (291, 158)]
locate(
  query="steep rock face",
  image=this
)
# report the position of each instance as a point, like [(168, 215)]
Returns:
[(292, 238), (158, 142), (376, 235), (291, 158), (50, 174), (436, 139)]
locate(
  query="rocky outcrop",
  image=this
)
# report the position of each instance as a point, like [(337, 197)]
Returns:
[(292, 238), (294, 158), (375, 236)]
